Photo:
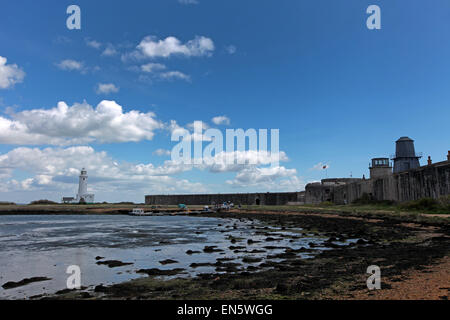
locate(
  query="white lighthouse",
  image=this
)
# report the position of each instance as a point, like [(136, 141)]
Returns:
[(83, 195)]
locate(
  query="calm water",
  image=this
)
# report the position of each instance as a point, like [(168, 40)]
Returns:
[(46, 245)]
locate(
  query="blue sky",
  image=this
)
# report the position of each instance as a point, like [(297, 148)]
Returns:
[(339, 93)]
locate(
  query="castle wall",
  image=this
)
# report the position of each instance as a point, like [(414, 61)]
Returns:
[(431, 181), (279, 198)]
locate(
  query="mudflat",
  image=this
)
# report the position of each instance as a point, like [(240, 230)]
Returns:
[(412, 252)]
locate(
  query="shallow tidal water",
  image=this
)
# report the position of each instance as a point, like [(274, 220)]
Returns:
[(46, 245)]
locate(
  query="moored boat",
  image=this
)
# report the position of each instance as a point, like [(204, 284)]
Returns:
[(139, 212)]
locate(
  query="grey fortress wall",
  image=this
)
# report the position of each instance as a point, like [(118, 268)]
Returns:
[(279, 198), (430, 181)]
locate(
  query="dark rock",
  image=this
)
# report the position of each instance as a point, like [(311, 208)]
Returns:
[(159, 272), (210, 249), (114, 263), (225, 259), (168, 261), (85, 295), (12, 284), (251, 260), (201, 264)]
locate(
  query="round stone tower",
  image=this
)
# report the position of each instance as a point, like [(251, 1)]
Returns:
[(405, 155)]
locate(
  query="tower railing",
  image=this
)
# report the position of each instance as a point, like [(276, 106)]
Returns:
[(416, 155)]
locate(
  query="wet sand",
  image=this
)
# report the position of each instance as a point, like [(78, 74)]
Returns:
[(110, 249), (407, 249)]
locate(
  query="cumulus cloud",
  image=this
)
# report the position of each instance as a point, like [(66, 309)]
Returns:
[(178, 131), (57, 169), (221, 120), (152, 47), (109, 51), (152, 67), (158, 71), (188, 2), (235, 161), (174, 75), (276, 178), (93, 43), (231, 49), (71, 65), (106, 88), (10, 74), (162, 152), (78, 124)]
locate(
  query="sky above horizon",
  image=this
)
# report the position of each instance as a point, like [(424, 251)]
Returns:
[(109, 96)]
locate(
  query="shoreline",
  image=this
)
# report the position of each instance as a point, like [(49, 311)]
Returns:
[(399, 245), (61, 209)]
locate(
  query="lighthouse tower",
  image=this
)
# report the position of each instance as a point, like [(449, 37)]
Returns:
[(83, 195)]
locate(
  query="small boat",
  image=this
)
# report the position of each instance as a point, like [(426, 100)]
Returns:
[(139, 212)]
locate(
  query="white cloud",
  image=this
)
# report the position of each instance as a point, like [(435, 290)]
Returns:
[(221, 120), (109, 51), (10, 74), (178, 130), (106, 88), (78, 124), (231, 49), (93, 43), (56, 169), (268, 179), (162, 152), (152, 67), (188, 2), (241, 160), (71, 65), (173, 75), (204, 125), (153, 47)]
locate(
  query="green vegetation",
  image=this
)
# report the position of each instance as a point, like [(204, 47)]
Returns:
[(428, 205), (415, 209), (42, 202)]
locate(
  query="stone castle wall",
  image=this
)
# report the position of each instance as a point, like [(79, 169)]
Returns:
[(430, 181), (279, 198)]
